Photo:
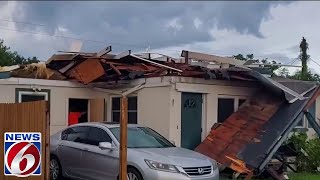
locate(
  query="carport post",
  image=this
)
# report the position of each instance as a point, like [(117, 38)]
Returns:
[(124, 131), (123, 138)]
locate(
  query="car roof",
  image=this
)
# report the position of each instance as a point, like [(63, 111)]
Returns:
[(107, 124)]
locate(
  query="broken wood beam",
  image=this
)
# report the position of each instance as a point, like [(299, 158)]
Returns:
[(115, 69), (275, 174), (104, 51), (156, 64), (137, 68), (285, 163), (123, 54), (249, 176), (211, 58)]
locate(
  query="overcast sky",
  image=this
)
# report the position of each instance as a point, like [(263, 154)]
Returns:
[(267, 29)]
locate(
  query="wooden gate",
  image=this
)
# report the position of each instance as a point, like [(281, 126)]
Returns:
[(26, 117)]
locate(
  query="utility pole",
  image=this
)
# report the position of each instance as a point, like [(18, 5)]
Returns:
[(304, 57), (123, 138)]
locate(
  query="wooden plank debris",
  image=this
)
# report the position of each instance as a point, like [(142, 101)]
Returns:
[(123, 54), (104, 51), (87, 71), (156, 64), (211, 58)]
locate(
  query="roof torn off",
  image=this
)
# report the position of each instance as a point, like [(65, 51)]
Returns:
[(33, 71), (247, 140), (102, 69)]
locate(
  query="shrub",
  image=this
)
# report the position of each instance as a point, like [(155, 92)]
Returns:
[(308, 158)]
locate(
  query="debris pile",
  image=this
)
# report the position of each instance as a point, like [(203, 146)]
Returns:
[(103, 67)]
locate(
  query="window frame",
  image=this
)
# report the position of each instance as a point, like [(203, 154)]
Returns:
[(304, 119), (306, 123), (119, 111), (236, 100), (25, 91)]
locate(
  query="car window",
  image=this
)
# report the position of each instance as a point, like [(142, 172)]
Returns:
[(143, 137), (97, 135), (76, 134)]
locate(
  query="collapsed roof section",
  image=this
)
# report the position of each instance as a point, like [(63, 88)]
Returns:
[(33, 71), (248, 139)]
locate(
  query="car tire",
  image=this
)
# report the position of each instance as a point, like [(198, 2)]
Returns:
[(55, 169), (134, 174)]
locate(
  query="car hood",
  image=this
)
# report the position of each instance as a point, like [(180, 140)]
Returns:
[(175, 156)]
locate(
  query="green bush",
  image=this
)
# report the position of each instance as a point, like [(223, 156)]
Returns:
[(309, 160)]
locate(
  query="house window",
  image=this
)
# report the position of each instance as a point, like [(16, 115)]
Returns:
[(301, 123), (28, 95), (304, 123), (312, 111), (78, 111), (132, 109), (241, 101), (225, 108)]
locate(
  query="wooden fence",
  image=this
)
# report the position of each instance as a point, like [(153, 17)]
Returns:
[(26, 117)]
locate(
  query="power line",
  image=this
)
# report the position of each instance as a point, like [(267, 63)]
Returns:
[(116, 44), (67, 37), (102, 42), (21, 22), (315, 62)]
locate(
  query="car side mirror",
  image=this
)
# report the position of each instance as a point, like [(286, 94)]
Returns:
[(106, 145)]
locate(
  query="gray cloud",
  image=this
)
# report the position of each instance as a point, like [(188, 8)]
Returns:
[(135, 25)]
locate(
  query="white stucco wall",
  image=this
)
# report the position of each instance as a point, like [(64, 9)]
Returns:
[(159, 104), (160, 107), (154, 109), (211, 93), (60, 92)]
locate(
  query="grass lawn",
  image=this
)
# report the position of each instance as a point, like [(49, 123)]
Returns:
[(304, 176)]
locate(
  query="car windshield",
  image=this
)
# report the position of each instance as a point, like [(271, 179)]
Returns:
[(143, 137)]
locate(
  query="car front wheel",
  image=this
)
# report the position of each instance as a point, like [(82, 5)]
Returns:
[(55, 169), (134, 174)]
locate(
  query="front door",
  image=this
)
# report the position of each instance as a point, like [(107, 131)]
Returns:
[(191, 117)]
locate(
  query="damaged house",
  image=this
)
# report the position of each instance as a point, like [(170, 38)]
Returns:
[(215, 105)]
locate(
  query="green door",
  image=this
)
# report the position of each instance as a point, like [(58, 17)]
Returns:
[(191, 117)]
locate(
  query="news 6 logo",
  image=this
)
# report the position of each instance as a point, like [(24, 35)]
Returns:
[(22, 154)]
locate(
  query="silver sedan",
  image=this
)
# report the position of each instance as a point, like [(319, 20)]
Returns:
[(90, 151)]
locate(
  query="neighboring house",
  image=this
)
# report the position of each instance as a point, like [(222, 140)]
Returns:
[(297, 85)]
